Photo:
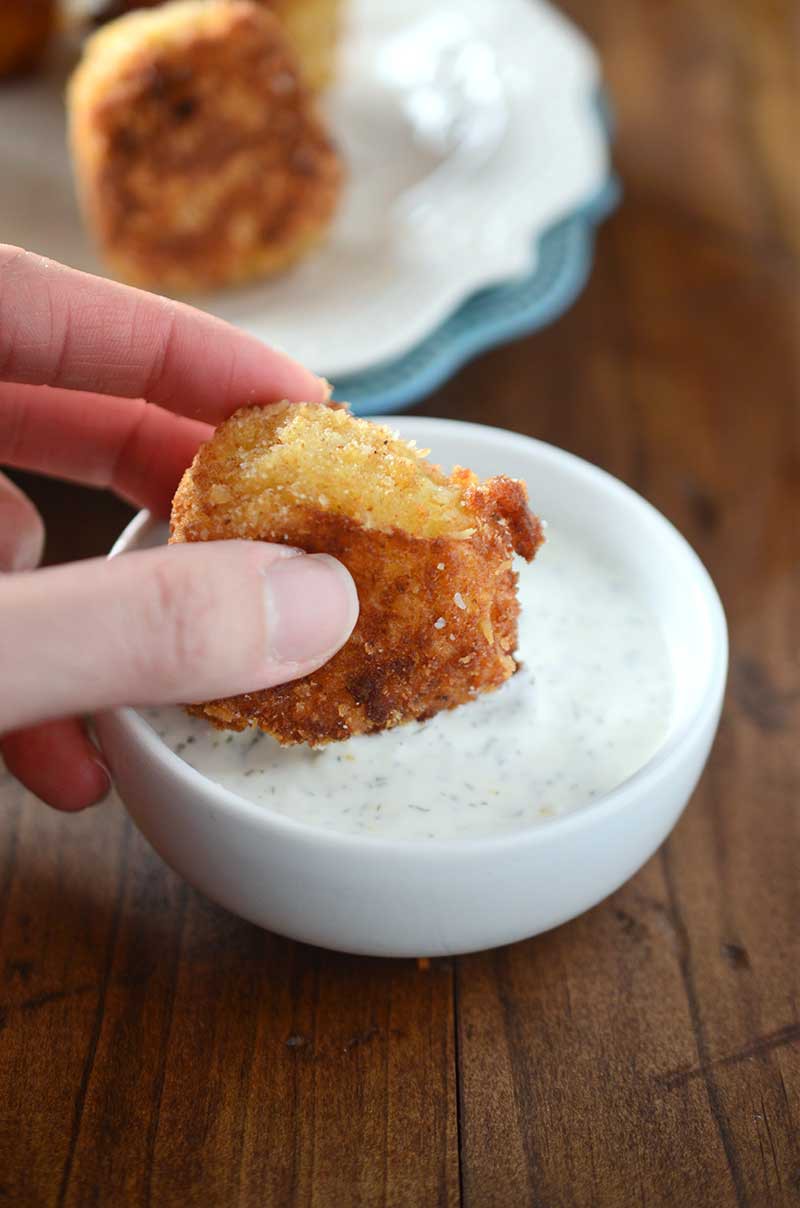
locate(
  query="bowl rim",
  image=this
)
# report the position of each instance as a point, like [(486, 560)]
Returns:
[(602, 808)]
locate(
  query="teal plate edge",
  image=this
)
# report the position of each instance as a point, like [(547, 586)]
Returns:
[(492, 316)]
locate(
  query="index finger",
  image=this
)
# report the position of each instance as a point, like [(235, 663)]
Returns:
[(61, 327)]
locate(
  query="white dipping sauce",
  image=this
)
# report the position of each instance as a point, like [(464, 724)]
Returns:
[(589, 706)]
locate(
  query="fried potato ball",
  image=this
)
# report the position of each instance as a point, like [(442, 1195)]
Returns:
[(199, 156), (312, 27), (431, 556)]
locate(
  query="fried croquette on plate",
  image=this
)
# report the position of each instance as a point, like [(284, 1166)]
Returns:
[(312, 27), (199, 156), (431, 557), (25, 29)]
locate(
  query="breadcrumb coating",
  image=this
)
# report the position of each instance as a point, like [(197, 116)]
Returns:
[(431, 556), (199, 156), (312, 27)]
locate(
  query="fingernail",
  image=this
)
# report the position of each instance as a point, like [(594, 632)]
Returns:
[(312, 607), (103, 793)]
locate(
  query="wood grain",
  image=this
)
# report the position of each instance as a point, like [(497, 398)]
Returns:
[(648, 1053), (155, 1050)]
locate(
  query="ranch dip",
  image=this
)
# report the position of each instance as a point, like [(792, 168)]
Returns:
[(590, 705)]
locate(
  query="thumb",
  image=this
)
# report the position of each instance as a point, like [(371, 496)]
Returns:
[(182, 623)]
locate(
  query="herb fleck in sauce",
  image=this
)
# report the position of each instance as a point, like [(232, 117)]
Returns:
[(590, 705)]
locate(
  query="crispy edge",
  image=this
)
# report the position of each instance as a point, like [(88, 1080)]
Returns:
[(398, 665)]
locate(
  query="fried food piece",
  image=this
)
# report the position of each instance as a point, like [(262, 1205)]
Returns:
[(312, 27), (25, 29), (199, 156), (431, 557)]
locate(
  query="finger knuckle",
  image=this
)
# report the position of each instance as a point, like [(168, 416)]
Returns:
[(180, 611)]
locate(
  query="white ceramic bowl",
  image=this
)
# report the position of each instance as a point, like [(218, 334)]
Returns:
[(413, 898)]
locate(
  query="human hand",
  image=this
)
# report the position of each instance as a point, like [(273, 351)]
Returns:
[(116, 388)]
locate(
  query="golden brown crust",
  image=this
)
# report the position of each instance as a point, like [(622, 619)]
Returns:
[(438, 619), (199, 155), (25, 28), (312, 27)]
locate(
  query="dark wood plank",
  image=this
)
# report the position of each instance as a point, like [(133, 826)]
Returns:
[(650, 1052), (61, 913), (156, 1049)]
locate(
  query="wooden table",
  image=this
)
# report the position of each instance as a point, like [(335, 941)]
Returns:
[(156, 1050)]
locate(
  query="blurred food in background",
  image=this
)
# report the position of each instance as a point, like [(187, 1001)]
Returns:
[(477, 169), (25, 29), (199, 155), (312, 27)]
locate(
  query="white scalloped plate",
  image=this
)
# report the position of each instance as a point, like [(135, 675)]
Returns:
[(468, 128)]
